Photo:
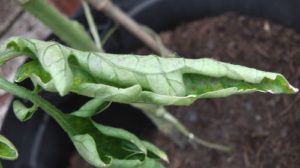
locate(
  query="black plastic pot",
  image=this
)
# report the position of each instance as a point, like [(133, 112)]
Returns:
[(42, 144)]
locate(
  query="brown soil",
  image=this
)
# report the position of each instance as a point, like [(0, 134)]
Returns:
[(263, 128)]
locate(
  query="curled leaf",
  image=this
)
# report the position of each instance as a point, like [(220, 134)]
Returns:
[(22, 112), (144, 79), (7, 150), (155, 152), (104, 146), (86, 146), (39, 77)]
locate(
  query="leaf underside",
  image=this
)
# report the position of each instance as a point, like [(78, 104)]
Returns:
[(127, 79), (139, 79), (104, 146)]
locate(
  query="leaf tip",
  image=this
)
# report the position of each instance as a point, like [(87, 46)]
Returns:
[(8, 150), (293, 89)]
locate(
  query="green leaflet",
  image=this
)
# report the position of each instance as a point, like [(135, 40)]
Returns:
[(22, 112), (101, 145), (7, 150), (142, 79), (155, 152), (86, 147), (32, 70), (104, 146), (92, 107)]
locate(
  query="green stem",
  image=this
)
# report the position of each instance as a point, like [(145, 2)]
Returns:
[(170, 126), (69, 31), (26, 94), (92, 25), (8, 55), (110, 32)]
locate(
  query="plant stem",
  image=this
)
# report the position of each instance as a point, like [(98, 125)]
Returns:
[(92, 25), (115, 13), (170, 126), (42, 103), (108, 34), (69, 31), (8, 55)]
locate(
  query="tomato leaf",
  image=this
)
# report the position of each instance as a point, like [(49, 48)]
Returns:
[(22, 112), (91, 108), (142, 79), (104, 146), (7, 150)]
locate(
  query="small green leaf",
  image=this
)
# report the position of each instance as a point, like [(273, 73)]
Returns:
[(7, 150), (86, 146), (22, 112), (92, 107), (32, 68)]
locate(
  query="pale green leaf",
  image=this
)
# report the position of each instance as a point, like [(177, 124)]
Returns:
[(86, 146), (37, 74), (129, 78), (144, 79), (7, 150), (155, 152), (92, 107), (22, 112), (148, 163), (126, 163), (30, 69), (151, 163), (104, 146), (122, 134)]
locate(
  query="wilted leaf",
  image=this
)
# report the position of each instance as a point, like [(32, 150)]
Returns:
[(22, 112), (143, 79), (86, 146), (104, 146), (155, 152)]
